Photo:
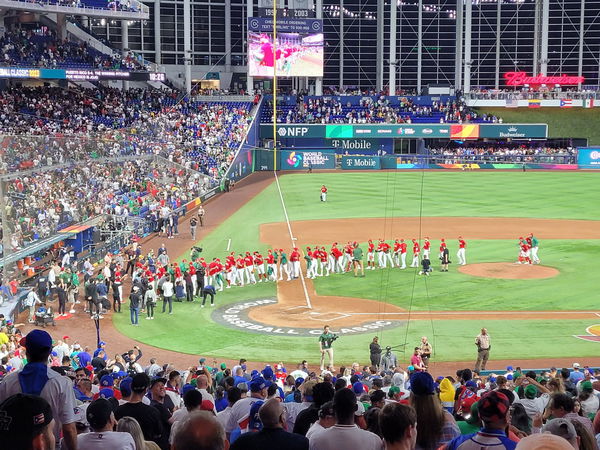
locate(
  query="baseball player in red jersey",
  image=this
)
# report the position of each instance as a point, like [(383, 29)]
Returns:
[(442, 247), (403, 250), (323, 266), (338, 258), (348, 256), (259, 266), (396, 254), (462, 251), (309, 263), (524, 252), (229, 266), (416, 252), (323, 193), (426, 248), (370, 255), (379, 251), (295, 260), (386, 255), (249, 268), (271, 266), (240, 266)]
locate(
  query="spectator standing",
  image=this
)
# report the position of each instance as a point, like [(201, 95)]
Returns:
[(31, 300), (272, 435), (135, 300), (201, 214), (36, 378), (375, 352), (326, 420), (131, 426), (193, 226), (233, 395), (435, 425), (398, 425), (493, 412), (147, 416), (200, 430), (100, 416), (150, 300), (241, 410), (345, 434), (321, 393), (27, 423)]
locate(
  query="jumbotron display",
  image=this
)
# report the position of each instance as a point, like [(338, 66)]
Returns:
[(295, 54)]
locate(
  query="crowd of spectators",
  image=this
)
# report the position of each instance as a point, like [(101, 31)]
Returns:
[(42, 48), (332, 110), (40, 204), (534, 153), (83, 395)]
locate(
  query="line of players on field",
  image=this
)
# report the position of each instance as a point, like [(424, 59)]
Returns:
[(252, 268)]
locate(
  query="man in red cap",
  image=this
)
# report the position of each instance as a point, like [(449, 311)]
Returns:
[(36, 378), (295, 260), (462, 251)]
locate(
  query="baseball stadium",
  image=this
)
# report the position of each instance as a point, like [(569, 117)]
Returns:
[(249, 199)]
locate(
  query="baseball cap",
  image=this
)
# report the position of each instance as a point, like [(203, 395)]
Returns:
[(267, 373), (493, 406), (530, 391), (257, 384), (561, 427), (23, 416), (125, 386), (202, 360), (223, 366), (101, 343), (360, 410), (36, 341), (421, 383), (106, 381), (106, 393), (187, 387), (586, 386), (358, 388), (98, 413), (207, 405), (576, 366), (255, 423), (66, 337)]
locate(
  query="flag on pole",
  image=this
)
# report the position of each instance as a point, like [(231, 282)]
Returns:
[(566, 103)]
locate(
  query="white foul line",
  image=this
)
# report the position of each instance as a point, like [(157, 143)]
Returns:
[(292, 238), (228, 244), (456, 313)]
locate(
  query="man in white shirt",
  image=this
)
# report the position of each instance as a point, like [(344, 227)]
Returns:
[(345, 434), (202, 384), (240, 412), (32, 300), (531, 402), (233, 395), (192, 401), (326, 420), (398, 426), (36, 378), (167, 289), (100, 416), (293, 409)]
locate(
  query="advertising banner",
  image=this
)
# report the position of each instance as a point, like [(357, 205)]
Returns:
[(588, 157), (401, 131), (341, 146), (287, 25), (293, 131), (361, 162), (514, 131), (79, 74), (302, 160)]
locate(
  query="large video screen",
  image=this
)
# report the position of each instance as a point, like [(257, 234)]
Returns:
[(296, 55)]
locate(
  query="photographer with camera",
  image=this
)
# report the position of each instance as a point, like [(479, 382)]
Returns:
[(325, 345)]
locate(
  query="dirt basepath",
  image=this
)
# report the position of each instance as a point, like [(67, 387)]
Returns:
[(325, 232)]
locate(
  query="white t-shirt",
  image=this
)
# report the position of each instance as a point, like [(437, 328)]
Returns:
[(58, 391), (180, 414), (314, 429), (293, 409), (223, 416), (207, 396), (345, 436), (534, 406), (114, 440), (167, 288)]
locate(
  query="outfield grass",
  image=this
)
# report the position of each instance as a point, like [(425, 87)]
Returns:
[(388, 194), (562, 122)]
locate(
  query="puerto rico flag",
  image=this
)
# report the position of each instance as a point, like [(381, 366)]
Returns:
[(567, 103)]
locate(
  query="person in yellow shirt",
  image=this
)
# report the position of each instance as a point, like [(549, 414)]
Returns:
[(3, 336)]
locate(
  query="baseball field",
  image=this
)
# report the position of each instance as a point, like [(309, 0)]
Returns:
[(541, 311)]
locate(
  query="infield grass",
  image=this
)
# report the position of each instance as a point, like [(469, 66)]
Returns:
[(395, 194)]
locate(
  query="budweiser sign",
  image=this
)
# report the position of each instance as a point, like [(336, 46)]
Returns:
[(521, 78)]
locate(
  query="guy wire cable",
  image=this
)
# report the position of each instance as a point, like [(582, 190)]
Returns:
[(385, 304), (416, 269)]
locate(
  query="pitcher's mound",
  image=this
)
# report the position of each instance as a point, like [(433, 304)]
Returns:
[(509, 271)]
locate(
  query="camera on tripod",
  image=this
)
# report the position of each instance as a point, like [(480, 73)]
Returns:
[(335, 336)]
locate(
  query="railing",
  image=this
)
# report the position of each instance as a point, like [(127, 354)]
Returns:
[(139, 12), (531, 95), (558, 158)]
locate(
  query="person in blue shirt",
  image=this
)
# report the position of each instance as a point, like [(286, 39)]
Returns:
[(101, 346), (576, 375), (206, 291), (493, 411)]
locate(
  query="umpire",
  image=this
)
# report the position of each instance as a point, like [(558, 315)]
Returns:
[(206, 291)]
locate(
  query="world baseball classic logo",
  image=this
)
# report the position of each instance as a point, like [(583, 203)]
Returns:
[(295, 159)]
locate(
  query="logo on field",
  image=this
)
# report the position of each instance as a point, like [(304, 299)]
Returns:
[(593, 334), (295, 159)]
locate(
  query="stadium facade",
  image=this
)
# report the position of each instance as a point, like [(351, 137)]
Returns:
[(468, 45)]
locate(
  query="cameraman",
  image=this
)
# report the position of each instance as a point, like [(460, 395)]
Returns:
[(325, 342)]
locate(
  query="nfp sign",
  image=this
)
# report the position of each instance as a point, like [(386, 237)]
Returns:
[(588, 158), (293, 131), (521, 79)]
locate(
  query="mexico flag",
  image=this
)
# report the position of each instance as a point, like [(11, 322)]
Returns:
[(588, 103)]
